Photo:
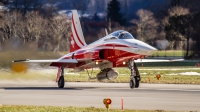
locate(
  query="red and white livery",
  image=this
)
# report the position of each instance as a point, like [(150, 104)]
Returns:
[(118, 49)]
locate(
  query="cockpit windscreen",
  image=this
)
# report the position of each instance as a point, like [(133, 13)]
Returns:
[(125, 36)]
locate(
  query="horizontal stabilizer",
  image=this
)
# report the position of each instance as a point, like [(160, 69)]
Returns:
[(48, 61), (157, 60)]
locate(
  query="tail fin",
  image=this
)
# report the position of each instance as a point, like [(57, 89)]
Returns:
[(77, 38)]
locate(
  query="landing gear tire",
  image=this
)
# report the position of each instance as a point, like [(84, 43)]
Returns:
[(132, 84), (135, 75), (61, 82), (137, 81)]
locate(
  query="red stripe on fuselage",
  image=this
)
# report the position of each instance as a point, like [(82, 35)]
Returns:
[(76, 31), (116, 45)]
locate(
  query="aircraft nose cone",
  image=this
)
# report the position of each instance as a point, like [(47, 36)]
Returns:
[(142, 47), (151, 50)]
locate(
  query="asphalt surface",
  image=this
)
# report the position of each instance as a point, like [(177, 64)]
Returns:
[(171, 97)]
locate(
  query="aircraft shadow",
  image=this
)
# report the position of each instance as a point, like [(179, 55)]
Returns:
[(46, 88)]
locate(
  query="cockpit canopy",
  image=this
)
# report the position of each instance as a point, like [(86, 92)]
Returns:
[(120, 34), (125, 35)]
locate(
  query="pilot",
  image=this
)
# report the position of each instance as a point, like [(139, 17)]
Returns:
[(122, 36)]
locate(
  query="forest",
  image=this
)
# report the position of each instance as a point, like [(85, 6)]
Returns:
[(35, 25)]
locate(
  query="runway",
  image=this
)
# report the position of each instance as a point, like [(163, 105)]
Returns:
[(171, 97)]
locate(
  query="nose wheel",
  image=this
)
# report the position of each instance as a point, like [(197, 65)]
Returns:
[(137, 81), (132, 83), (135, 76)]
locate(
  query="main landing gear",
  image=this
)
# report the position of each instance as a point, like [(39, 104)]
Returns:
[(61, 80), (135, 76)]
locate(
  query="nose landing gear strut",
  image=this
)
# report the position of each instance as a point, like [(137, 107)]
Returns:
[(135, 75)]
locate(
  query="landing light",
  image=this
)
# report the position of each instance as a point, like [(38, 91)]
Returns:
[(124, 63), (96, 62)]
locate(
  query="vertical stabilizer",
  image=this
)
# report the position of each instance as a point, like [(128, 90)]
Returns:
[(77, 38)]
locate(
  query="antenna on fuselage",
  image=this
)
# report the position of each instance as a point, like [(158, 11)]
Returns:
[(106, 31)]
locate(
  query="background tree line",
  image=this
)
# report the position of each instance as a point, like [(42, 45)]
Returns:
[(177, 23), (27, 25)]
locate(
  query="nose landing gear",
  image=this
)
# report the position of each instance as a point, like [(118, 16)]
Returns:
[(135, 76)]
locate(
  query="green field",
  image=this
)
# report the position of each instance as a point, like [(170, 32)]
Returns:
[(169, 75), (168, 53), (64, 109)]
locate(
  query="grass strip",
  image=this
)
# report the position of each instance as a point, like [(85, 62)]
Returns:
[(168, 53), (8, 108), (148, 75)]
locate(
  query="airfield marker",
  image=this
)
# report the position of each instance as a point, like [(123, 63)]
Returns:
[(107, 102), (158, 76), (122, 103)]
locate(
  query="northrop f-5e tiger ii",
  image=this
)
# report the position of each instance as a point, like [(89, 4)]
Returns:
[(117, 49)]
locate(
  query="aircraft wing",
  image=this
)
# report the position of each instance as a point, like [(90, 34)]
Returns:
[(157, 60), (49, 61)]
